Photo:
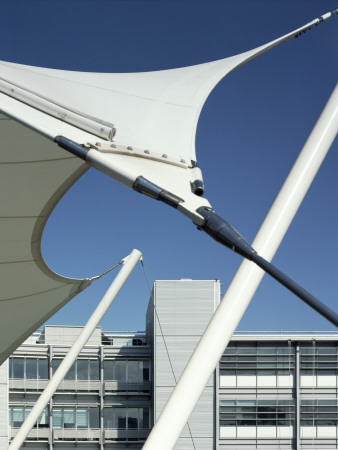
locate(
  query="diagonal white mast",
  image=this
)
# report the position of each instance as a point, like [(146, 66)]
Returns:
[(216, 337), (128, 265)]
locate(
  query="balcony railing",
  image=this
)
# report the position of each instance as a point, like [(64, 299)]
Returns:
[(26, 384), (35, 434), (76, 434), (65, 385), (116, 434), (126, 386), (79, 385)]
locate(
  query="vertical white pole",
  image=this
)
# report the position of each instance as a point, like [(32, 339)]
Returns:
[(128, 265), (216, 337)]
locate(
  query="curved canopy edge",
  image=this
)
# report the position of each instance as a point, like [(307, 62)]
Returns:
[(34, 175)]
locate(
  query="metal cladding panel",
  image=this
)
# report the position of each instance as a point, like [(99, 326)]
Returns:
[(180, 349), (199, 443), (201, 420), (183, 310), (185, 307)]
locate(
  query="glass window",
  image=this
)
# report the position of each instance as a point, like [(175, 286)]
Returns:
[(82, 417), (252, 358), (69, 417), (43, 420), (286, 350), (245, 372), (246, 350), (57, 418), (120, 370), (94, 418), (144, 418), (82, 369), (230, 350), (328, 402), (248, 358), (43, 369), (133, 371), (327, 350), (307, 350), (132, 418), (18, 367), (228, 402), (17, 416), (108, 418), (31, 368), (121, 418), (268, 412), (146, 371), (124, 418), (246, 402), (266, 372), (322, 412), (79, 417), (55, 364), (94, 370), (70, 375), (266, 350), (108, 369), (10, 368), (27, 410), (233, 358)]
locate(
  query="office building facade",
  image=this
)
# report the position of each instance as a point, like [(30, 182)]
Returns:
[(269, 391)]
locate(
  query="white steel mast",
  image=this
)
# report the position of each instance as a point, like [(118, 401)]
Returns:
[(217, 335), (128, 265)]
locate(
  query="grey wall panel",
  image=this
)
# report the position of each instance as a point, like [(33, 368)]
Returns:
[(201, 420), (185, 307), (181, 310), (179, 348), (197, 444)]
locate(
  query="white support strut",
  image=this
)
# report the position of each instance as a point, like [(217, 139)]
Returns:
[(128, 266), (216, 337)]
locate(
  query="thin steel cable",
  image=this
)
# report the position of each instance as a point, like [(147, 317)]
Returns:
[(165, 345), (106, 271)]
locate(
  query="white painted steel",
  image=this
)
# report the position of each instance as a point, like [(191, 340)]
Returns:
[(111, 167), (216, 337), (128, 265), (176, 180), (106, 131)]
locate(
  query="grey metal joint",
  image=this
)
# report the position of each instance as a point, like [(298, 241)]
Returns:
[(150, 189), (198, 187), (72, 147), (223, 232)]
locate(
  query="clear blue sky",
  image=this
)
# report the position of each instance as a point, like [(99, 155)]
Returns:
[(250, 132)]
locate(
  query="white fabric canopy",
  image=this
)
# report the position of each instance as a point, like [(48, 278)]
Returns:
[(33, 177), (150, 110), (155, 115)]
